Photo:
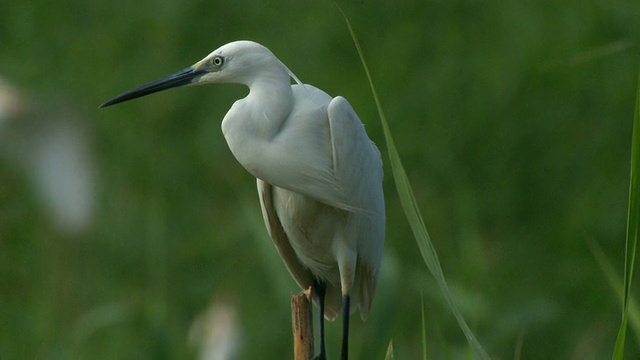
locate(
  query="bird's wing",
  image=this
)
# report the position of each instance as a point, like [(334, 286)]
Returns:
[(358, 170), (357, 166), (300, 158), (328, 155), (301, 274), (323, 152)]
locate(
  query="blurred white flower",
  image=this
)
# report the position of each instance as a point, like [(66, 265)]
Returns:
[(50, 146), (216, 332)]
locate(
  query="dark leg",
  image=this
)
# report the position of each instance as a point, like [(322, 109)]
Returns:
[(345, 327), (319, 290)]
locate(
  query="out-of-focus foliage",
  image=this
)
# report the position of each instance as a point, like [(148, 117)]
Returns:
[(513, 120)]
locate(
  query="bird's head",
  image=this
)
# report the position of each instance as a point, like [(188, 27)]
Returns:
[(241, 62)]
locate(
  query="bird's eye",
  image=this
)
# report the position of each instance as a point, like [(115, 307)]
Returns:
[(217, 61)]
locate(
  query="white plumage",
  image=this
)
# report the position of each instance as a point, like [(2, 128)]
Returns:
[(319, 176)]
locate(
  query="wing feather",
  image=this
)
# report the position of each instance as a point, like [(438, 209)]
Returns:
[(358, 171), (338, 166), (299, 272)]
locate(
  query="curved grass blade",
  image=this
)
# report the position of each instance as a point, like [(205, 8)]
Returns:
[(424, 328), (412, 211), (633, 226), (616, 283)]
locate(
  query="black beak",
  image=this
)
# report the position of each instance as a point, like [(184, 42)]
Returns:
[(181, 78)]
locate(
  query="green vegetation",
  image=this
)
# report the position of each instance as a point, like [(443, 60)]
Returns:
[(414, 217), (633, 230), (513, 122)]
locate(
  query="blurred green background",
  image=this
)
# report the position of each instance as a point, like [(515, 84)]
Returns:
[(513, 119)]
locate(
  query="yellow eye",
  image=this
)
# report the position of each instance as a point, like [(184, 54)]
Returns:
[(217, 61)]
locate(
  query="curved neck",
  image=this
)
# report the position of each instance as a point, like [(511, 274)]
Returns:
[(262, 113), (270, 101)]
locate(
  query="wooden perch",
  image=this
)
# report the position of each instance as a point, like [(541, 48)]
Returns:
[(302, 325)]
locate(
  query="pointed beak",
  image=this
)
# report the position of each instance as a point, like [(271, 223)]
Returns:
[(181, 78)]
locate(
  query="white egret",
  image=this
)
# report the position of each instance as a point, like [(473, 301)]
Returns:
[(319, 176)]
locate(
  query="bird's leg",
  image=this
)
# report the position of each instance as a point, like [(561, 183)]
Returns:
[(346, 299), (319, 288)]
